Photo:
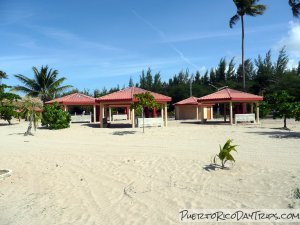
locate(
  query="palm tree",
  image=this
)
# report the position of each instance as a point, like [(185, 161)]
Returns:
[(250, 8), (3, 75), (30, 110), (44, 85), (295, 5)]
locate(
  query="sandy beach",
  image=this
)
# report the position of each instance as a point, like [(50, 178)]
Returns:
[(87, 175)]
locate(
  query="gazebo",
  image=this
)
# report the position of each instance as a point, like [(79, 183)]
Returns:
[(190, 109), (125, 98), (76, 99), (235, 99)]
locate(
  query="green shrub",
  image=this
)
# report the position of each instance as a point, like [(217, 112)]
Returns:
[(55, 118), (225, 153)]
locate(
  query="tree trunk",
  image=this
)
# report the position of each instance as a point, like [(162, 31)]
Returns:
[(143, 119), (284, 122), (243, 54), (28, 132)]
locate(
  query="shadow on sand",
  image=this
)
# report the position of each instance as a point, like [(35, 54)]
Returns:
[(212, 167), (92, 125), (206, 123), (279, 134), (122, 133), (7, 125), (109, 125), (17, 133)]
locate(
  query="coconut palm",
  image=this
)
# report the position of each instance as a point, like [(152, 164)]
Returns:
[(44, 85), (30, 109), (250, 8), (295, 5), (3, 75)]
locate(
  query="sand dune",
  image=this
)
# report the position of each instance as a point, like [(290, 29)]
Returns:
[(85, 175)]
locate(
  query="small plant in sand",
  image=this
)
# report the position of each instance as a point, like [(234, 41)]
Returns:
[(296, 193), (295, 197), (225, 153)]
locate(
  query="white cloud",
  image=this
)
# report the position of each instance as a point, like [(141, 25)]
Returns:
[(292, 40)]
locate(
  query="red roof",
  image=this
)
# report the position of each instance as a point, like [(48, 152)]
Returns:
[(74, 99), (127, 94), (190, 101), (228, 94)]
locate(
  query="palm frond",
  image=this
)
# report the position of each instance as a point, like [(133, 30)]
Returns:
[(29, 83), (234, 20), (22, 89), (255, 10), (44, 84), (295, 6), (63, 88)]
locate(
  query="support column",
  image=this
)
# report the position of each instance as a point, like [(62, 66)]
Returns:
[(128, 112), (244, 108), (197, 111), (224, 112), (132, 118), (202, 113), (257, 112), (109, 109), (211, 113), (177, 112), (94, 113), (65, 108), (101, 114), (251, 107), (162, 112), (231, 115), (166, 115), (154, 113)]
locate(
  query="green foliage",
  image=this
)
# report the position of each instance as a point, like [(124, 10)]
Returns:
[(144, 100), (282, 105), (264, 109), (7, 102), (44, 85), (130, 83), (30, 110), (297, 111), (3, 75), (225, 153), (296, 193), (55, 118), (7, 111)]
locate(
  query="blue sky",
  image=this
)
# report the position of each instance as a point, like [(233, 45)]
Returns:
[(99, 43)]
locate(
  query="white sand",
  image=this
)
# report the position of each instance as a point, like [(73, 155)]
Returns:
[(84, 175)]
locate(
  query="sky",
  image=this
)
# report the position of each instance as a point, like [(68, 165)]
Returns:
[(102, 43)]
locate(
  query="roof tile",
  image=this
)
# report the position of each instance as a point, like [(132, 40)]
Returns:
[(228, 94), (74, 99), (127, 94)]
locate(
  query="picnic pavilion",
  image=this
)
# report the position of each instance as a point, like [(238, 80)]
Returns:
[(235, 100), (78, 99), (189, 109), (124, 99)]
